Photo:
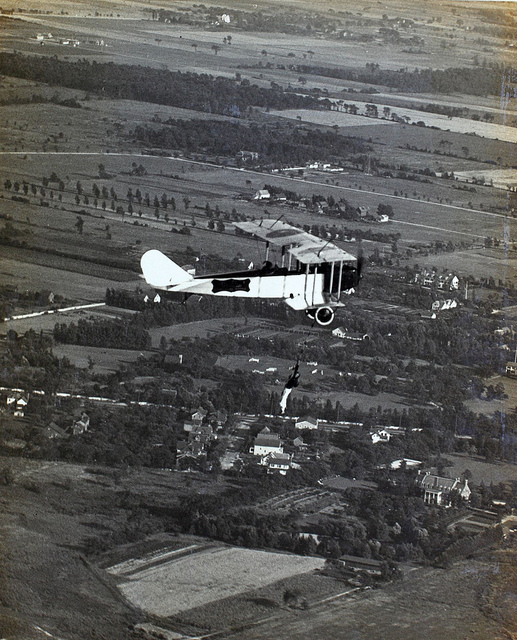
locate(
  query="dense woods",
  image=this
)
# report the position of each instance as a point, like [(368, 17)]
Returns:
[(273, 144), (200, 92)]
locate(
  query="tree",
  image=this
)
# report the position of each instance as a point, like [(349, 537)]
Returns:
[(216, 48), (79, 225), (385, 209)]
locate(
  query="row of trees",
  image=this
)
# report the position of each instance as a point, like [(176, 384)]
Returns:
[(471, 81)]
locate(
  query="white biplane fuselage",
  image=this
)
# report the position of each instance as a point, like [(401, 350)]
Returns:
[(312, 277)]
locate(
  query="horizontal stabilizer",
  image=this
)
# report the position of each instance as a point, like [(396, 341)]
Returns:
[(161, 272)]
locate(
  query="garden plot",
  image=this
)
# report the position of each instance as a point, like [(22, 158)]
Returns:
[(200, 578)]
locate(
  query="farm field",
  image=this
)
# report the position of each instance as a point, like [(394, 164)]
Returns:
[(486, 472), (104, 360), (75, 286), (421, 606), (455, 125), (210, 575), (348, 399)]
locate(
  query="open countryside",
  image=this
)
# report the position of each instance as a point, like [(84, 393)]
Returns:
[(186, 466)]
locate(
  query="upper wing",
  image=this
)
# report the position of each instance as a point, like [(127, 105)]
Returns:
[(305, 247)]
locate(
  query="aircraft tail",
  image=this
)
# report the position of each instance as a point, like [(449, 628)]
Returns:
[(160, 272)]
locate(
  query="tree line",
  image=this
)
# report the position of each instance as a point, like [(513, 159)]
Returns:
[(471, 81), (116, 334)]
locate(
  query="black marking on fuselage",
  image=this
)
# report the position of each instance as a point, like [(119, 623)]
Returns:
[(231, 285)]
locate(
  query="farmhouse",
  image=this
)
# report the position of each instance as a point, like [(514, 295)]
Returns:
[(306, 423), (356, 564), (266, 442), (438, 490)]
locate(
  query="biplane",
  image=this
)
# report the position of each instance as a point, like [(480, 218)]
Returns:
[(312, 276)]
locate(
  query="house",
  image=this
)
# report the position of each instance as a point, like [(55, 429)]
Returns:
[(202, 433), (306, 423), (54, 432), (408, 463), (262, 194), (247, 155), (429, 277), (277, 462), (356, 564), (266, 442), (356, 336), (511, 369), (218, 418), (18, 403), (186, 449), (448, 282), (81, 425), (299, 444), (437, 489), (443, 305), (381, 435), (198, 416)]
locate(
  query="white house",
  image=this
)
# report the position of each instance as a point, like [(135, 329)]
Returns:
[(306, 423), (407, 462), (357, 336), (277, 462), (437, 490), (380, 436), (81, 425), (262, 194), (266, 442)]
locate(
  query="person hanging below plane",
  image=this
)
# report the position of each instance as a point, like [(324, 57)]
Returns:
[(291, 383)]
